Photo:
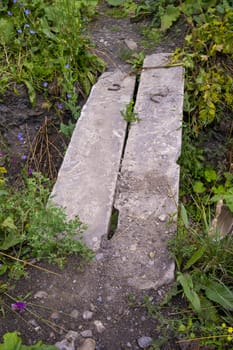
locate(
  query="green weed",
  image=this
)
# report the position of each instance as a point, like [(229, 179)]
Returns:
[(29, 227), (43, 46), (129, 115), (208, 84)]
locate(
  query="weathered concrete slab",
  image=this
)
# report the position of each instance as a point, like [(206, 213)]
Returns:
[(148, 187), (86, 181)]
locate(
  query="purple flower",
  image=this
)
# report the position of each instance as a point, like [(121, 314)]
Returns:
[(9, 13), (45, 84), (59, 105), (20, 136), (31, 32), (18, 306), (68, 96), (19, 31), (1, 154), (67, 65), (26, 25), (14, 1), (30, 171), (24, 157), (26, 11)]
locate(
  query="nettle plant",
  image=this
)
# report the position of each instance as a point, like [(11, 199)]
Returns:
[(43, 46)]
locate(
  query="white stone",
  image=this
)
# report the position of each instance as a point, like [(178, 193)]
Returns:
[(99, 326), (41, 295), (87, 333), (144, 342), (131, 44), (87, 315), (68, 343)]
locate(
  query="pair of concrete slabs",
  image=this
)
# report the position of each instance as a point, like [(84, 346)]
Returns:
[(132, 169)]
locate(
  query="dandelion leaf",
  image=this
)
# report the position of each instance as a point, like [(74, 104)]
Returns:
[(170, 15)]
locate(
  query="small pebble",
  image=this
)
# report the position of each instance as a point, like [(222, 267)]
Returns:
[(55, 316), (131, 44), (144, 342), (33, 323), (74, 314), (92, 307), (41, 295), (88, 344), (69, 342), (162, 217), (99, 256), (86, 334), (99, 326), (100, 299), (87, 315)]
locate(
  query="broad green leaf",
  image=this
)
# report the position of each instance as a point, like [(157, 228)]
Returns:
[(170, 15), (31, 92), (10, 240), (11, 341), (208, 310), (195, 257), (210, 175), (187, 284), (199, 187), (8, 223), (184, 216), (219, 293), (3, 269)]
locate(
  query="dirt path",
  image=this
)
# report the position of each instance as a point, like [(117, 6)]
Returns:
[(87, 299)]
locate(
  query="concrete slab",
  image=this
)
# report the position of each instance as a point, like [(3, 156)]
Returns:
[(147, 191), (87, 179)]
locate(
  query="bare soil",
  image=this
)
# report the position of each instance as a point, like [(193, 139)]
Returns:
[(82, 293)]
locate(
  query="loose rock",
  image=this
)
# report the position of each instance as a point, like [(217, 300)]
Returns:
[(87, 315), (131, 44), (99, 326), (86, 334), (55, 316), (88, 344), (74, 314), (41, 295), (69, 342), (144, 342)]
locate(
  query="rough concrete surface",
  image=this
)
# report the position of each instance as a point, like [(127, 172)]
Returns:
[(146, 192), (87, 178), (149, 181)]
